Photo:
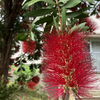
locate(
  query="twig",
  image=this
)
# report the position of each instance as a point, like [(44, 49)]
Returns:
[(59, 12)]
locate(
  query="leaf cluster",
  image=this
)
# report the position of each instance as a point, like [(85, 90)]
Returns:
[(69, 10)]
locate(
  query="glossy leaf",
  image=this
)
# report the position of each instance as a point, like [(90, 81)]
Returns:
[(34, 21), (32, 36), (85, 28), (63, 0), (72, 3), (23, 38), (83, 15), (63, 17), (23, 68), (45, 19), (56, 25), (20, 36), (48, 27), (31, 67), (35, 1), (80, 26), (77, 13), (91, 1), (39, 12), (19, 69)]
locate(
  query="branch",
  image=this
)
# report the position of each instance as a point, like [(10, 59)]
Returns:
[(59, 12)]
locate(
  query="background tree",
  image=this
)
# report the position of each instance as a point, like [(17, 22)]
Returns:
[(11, 26), (11, 10)]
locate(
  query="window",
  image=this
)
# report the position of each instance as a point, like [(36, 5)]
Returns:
[(95, 52)]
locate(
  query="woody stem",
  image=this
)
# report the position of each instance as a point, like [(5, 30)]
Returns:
[(59, 12)]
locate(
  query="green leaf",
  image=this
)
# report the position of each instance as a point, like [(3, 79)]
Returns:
[(19, 69), (72, 22), (79, 27), (23, 68), (56, 25), (83, 15), (23, 38), (91, 1), (85, 28), (39, 12), (76, 13), (33, 23), (45, 19), (63, 17), (34, 1), (63, 0), (32, 36), (19, 35), (71, 3), (48, 27)]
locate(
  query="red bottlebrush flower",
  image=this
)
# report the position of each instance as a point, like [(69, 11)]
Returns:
[(28, 46), (31, 85), (35, 79), (90, 23), (67, 65)]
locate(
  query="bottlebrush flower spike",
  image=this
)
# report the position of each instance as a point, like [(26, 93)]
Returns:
[(90, 23), (28, 46), (67, 64)]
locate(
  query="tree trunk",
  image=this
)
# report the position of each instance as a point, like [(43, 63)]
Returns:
[(11, 10), (5, 57)]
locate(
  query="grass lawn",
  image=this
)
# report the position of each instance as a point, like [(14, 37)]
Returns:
[(27, 94)]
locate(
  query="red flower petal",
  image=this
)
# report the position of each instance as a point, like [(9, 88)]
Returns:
[(67, 64)]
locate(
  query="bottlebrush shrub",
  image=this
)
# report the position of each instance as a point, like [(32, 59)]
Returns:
[(68, 65), (28, 46)]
